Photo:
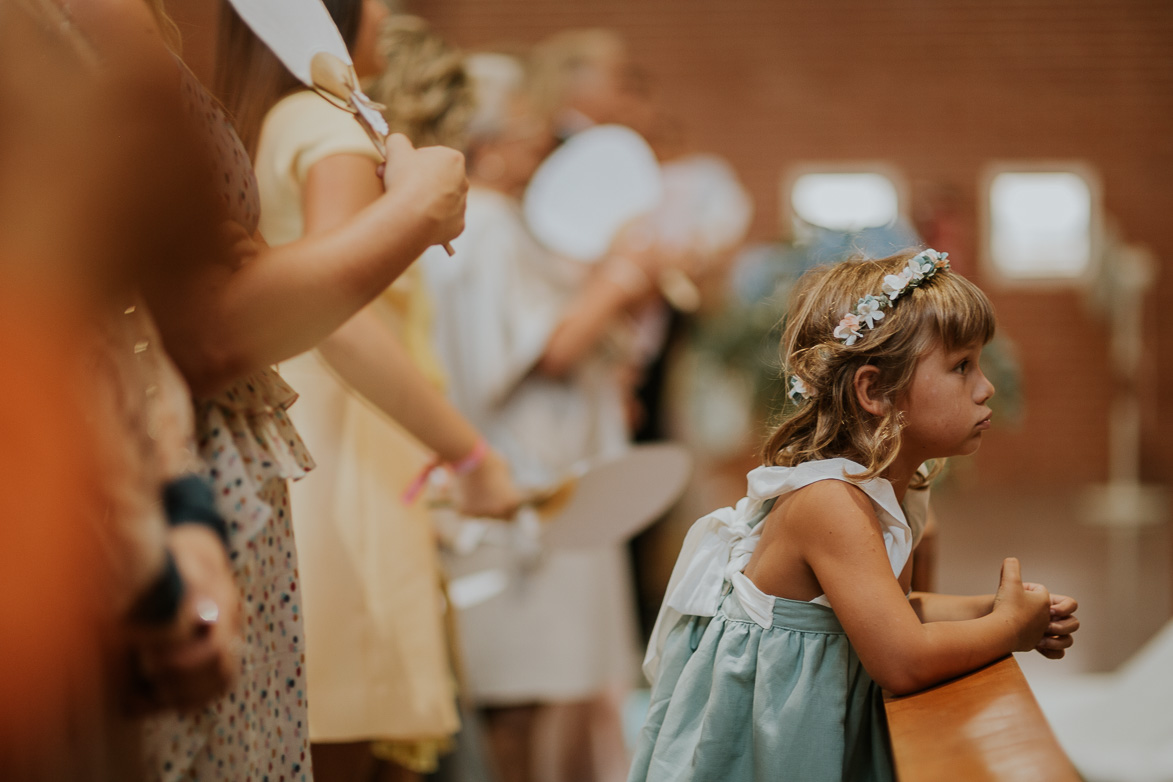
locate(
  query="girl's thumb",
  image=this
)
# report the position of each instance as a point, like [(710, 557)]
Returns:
[(1011, 572)]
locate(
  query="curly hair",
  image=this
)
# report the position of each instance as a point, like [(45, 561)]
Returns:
[(424, 85), (946, 309)]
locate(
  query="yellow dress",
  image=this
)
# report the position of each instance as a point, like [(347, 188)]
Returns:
[(376, 650)]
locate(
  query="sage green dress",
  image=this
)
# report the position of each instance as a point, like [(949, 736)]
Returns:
[(747, 686)]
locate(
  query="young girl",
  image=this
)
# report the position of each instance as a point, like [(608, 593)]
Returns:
[(786, 615)]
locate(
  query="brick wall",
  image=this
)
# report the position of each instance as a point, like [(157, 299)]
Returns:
[(936, 88)]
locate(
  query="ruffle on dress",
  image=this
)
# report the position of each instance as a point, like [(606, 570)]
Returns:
[(247, 441)]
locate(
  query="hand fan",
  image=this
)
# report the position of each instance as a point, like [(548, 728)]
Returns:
[(613, 501), (604, 504), (600, 181), (600, 504), (306, 40), (589, 188)]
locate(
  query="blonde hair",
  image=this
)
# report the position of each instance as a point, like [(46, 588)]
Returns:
[(423, 85), (946, 309), (560, 60)]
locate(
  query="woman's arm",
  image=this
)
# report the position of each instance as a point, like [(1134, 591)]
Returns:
[(621, 280), (221, 324), (842, 543), (372, 361), (369, 357)]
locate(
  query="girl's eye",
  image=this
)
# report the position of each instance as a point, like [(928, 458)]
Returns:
[(963, 367)]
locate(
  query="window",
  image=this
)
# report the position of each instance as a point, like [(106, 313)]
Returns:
[(1041, 222), (845, 200)]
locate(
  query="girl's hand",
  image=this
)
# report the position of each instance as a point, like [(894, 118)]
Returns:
[(1063, 623), (432, 181), (1027, 611), (195, 658), (488, 490)]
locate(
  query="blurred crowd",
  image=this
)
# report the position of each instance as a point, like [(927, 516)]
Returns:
[(259, 426)]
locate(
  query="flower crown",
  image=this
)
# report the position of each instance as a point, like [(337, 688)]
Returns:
[(869, 310)]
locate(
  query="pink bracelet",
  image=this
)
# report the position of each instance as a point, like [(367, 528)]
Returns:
[(472, 460), (464, 466)]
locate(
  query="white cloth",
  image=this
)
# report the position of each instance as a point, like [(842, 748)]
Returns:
[(564, 628), (719, 545)]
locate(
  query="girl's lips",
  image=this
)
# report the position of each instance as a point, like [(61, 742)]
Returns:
[(984, 424)]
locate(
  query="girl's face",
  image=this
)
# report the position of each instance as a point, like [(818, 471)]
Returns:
[(945, 410), (365, 52)]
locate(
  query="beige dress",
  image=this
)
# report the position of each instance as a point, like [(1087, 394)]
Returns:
[(377, 656)]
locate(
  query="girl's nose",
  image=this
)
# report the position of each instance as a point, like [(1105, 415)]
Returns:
[(985, 389)]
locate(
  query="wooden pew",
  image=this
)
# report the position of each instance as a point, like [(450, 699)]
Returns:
[(983, 727)]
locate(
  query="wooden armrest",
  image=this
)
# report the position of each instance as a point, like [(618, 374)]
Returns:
[(981, 727)]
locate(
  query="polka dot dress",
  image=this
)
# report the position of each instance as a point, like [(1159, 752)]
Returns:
[(259, 731)]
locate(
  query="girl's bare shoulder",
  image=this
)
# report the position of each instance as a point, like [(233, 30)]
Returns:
[(828, 506)]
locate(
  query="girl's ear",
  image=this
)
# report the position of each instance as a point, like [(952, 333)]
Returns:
[(866, 379)]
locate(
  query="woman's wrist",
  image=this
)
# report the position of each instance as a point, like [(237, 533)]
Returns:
[(472, 460), (468, 463)]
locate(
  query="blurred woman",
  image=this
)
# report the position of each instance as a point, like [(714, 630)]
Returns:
[(524, 336), (119, 538), (377, 662)]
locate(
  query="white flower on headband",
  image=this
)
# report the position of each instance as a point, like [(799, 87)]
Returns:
[(848, 329), (920, 266), (894, 284), (798, 391), (867, 313), (869, 309)]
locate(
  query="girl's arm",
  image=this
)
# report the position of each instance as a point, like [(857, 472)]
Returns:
[(220, 324), (934, 607), (931, 607), (841, 542), (369, 357)]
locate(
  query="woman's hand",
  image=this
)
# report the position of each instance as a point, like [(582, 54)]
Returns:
[(195, 657), (488, 490), (1063, 623), (432, 181), (1026, 610)]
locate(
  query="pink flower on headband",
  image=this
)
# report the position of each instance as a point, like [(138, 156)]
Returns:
[(848, 329)]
